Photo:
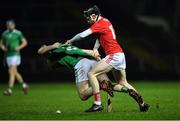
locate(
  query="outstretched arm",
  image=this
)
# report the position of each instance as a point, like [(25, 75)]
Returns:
[(92, 53), (43, 49), (80, 36)]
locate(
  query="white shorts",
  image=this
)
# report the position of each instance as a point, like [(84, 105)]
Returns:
[(13, 60), (82, 68), (116, 60)]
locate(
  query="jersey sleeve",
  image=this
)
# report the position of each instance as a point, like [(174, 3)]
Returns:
[(21, 36), (82, 35)]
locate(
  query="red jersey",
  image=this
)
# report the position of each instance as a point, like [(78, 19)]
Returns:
[(107, 37)]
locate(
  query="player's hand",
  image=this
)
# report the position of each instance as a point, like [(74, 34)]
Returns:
[(56, 45), (17, 49), (96, 54), (68, 42), (4, 48)]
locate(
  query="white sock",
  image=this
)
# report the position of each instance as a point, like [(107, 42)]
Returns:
[(24, 85), (97, 102), (142, 104), (9, 90)]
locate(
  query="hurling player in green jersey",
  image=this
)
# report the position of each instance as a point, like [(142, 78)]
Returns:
[(78, 60), (12, 42)]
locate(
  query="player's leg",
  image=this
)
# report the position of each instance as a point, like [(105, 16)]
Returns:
[(84, 90), (105, 84), (11, 82), (19, 76), (81, 73), (99, 68), (120, 77), (119, 63), (124, 86), (21, 81), (11, 62)]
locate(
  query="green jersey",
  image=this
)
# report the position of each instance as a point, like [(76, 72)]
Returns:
[(12, 39), (67, 56)]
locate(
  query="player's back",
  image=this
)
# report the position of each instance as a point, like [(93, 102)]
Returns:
[(68, 56)]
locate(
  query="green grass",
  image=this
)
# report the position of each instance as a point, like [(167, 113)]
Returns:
[(44, 99)]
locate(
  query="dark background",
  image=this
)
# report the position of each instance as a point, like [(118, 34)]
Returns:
[(148, 31)]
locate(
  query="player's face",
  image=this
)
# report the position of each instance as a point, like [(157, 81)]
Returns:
[(88, 19), (91, 19), (10, 25)]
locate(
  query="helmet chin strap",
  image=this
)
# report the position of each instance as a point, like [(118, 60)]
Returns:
[(97, 17)]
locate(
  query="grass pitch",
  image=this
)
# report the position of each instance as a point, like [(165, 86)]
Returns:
[(44, 100)]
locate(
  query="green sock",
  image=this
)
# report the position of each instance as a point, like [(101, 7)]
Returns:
[(21, 82), (123, 89), (10, 88)]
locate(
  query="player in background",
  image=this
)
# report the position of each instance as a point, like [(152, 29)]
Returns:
[(115, 58), (12, 42), (78, 60)]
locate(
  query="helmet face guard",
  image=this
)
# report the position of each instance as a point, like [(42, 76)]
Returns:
[(93, 10)]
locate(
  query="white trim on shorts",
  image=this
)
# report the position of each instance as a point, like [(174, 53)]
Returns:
[(116, 60), (82, 68), (13, 60)]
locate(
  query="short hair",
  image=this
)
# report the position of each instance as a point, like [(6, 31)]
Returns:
[(10, 21)]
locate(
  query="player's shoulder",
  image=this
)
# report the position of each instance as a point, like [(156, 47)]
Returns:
[(103, 22), (5, 32), (106, 20), (17, 31)]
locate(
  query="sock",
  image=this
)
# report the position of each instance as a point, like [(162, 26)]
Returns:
[(142, 104), (21, 81), (24, 85), (97, 98), (9, 89), (123, 89)]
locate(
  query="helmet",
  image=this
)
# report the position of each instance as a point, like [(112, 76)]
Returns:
[(92, 10)]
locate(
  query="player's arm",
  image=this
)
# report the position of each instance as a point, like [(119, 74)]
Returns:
[(80, 36), (96, 47), (43, 49), (22, 45), (2, 45), (92, 53)]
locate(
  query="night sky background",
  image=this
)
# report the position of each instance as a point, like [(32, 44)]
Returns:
[(147, 30)]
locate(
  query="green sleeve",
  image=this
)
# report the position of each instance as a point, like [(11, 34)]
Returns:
[(21, 36)]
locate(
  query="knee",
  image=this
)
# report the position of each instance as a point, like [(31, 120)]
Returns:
[(83, 97), (123, 82)]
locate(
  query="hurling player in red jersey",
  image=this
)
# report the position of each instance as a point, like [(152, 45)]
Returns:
[(114, 60)]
